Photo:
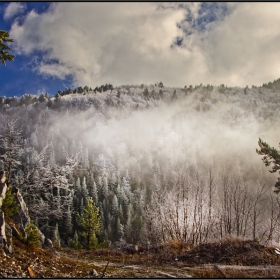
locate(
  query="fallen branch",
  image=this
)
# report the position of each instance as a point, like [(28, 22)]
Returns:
[(104, 271), (219, 270), (165, 274)]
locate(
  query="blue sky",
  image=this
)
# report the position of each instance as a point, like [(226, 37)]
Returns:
[(18, 77), (60, 45)]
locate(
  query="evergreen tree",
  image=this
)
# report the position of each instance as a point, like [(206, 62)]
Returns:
[(9, 205), (85, 159), (56, 236), (84, 191), (271, 155), (32, 235), (103, 189), (116, 228), (12, 146), (146, 93), (4, 54), (67, 225), (160, 93), (81, 208), (89, 221), (114, 206), (42, 98), (75, 241), (92, 188), (174, 95), (128, 231)]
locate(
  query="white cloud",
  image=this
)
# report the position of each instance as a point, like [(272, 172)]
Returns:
[(13, 9), (129, 43)]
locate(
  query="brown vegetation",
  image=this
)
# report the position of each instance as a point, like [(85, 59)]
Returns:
[(226, 258)]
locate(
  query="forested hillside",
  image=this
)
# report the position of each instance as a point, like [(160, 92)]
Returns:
[(160, 164)]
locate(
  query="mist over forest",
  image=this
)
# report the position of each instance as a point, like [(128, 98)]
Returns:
[(161, 164)]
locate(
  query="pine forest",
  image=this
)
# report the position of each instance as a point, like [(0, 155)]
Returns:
[(143, 164)]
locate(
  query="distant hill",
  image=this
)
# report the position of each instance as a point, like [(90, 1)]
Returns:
[(160, 163)]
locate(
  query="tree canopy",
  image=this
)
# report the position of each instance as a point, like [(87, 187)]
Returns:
[(271, 155), (89, 220), (4, 54)]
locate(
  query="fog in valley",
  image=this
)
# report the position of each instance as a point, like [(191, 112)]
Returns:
[(160, 163), (207, 129)]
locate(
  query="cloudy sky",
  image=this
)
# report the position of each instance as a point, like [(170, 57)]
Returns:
[(60, 45)]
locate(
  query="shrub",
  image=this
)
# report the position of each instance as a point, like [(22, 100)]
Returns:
[(9, 206), (33, 237)]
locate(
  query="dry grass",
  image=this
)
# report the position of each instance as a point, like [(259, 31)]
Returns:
[(158, 262), (209, 271)]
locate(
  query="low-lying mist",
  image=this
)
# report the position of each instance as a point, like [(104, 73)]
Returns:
[(207, 129), (160, 163)]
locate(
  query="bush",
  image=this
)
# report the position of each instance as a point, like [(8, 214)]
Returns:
[(9, 206), (33, 237), (75, 242)]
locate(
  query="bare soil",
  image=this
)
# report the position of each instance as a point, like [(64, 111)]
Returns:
[(226, 259)]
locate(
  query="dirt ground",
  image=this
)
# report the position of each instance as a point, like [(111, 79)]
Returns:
[(227, 259)]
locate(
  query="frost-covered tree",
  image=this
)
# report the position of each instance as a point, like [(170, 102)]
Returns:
[(84, 190), (12, 146), (45, 189)]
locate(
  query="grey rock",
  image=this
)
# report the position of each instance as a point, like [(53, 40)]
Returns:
[(2, 176), (15, 233), (3, 238), (8, 249), (3, 189), (9, 237), (48, 245), (42, 238), (21, 217)]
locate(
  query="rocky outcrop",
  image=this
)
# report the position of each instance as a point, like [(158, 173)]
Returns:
[(9, 237), (5, 235), (15, 232), (18, 222), (3, 187), (3, 238), (21, 218), (45, 242)]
